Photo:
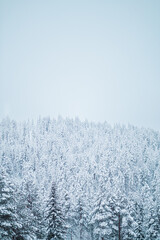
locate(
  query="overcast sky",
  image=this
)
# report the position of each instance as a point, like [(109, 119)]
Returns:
[(98, 60)]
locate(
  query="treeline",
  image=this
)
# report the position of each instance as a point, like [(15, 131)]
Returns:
[(74, 180)]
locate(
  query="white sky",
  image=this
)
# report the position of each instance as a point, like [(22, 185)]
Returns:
[(98, 60)]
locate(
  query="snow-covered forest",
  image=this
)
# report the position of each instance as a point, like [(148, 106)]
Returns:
[(72, 180)]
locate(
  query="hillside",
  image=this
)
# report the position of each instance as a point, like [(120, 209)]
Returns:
[(106, 179)]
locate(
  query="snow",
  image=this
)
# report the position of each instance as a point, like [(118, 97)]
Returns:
[(110, 176)]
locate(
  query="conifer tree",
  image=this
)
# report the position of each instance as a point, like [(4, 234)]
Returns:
[(153, 227), (139, 218), (29, 211), (55, 219), (69, 214), (122, 222), (81, 219), (8, 218), (101, 216)]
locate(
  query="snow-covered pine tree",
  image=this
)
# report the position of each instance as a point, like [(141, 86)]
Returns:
[(24, 212), (81, 219), (139, 218), (100, 220), (55, 219), (153, 227), (69, 215), (9, 227), (30, 211), (121, 221), (129, 223)]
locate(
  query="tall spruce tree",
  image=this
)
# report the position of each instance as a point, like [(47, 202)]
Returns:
[(29, 211), (55, 219), (100, 220), (70, 220), (121, 220), (8, 218), (153, 227), (139, 216), (81, 219)]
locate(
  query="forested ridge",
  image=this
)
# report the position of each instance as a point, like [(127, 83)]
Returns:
[(72, 180)]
